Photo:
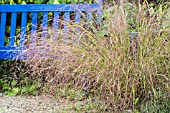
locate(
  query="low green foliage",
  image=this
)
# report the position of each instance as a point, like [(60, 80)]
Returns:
[(78, 101), (159, 105), (13, 79)]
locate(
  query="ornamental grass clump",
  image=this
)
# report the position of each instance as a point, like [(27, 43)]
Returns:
[(105, 63)]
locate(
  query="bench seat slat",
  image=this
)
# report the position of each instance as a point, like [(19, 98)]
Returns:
[(55, 24), (3, 26), (77, 21), (89, 16), (99, 16), (77, 17), (56, 20), (66, 21), (23, 28), (44, 24), (34, 27), (13, 29), (49, 7)]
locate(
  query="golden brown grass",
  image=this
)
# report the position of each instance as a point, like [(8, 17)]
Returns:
[(103, 64)]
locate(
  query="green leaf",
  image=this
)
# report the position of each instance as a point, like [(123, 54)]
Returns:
[(81, 1), (13, 92), (136, 101), (151, 11), (19, 1), (34, 93), (56, 2), (14, 83), (53, 2), (76, 1), (64, 1), (5, 86), (32, 88), (90, 1), (152, 4), (11, 2), (39, 1), (24, 90)]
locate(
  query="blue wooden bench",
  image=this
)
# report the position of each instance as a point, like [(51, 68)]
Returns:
[(12, 51)]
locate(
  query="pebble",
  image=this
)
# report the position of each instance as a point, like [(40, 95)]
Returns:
[(1, 94)]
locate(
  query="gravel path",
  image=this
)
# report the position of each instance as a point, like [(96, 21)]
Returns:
[(23, 104)]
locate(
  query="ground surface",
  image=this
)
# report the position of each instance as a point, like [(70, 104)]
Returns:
[(25, 104), (44, 104)]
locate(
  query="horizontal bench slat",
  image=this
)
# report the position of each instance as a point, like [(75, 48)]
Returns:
[(17, 48), (10, 52), (49, 7)]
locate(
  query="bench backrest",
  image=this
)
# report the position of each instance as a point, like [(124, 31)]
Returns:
[(11, 50)]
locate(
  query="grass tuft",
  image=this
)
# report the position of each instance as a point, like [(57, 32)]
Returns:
[(105, 63)]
